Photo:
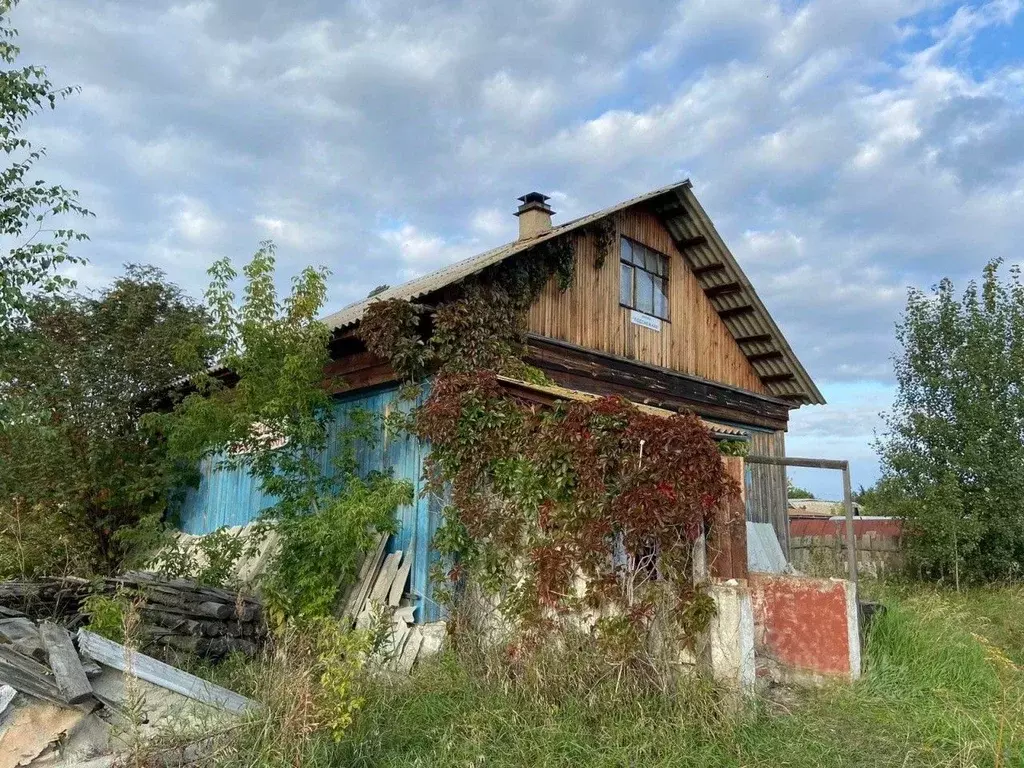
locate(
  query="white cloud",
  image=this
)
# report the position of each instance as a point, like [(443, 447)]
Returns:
[(844, 149)]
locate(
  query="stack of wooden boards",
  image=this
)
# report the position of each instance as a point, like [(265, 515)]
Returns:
[(45, 662), (379, 598), (175, 615)]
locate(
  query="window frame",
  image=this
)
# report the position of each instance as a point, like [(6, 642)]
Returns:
[(632, 266)]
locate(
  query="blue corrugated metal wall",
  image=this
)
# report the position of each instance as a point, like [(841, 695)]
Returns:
[(232, 497)]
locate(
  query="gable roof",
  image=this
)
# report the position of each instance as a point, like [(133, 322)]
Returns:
[(717, 271)]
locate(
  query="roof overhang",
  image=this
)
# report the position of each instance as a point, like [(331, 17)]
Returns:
[(718, 274), (547, 394)]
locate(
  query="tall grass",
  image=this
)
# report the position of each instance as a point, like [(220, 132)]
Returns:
[(942, 687), (937, 691)]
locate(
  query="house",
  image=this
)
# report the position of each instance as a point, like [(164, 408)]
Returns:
[(658, 311)]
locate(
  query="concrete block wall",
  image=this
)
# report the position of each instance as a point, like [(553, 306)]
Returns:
[(805, 629)]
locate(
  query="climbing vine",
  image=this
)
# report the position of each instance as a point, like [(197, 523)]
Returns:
[(579, 507), (604, 233), (544, 500), (483, 327)]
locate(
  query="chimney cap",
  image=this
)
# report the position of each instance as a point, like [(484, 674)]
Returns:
[(534, 201)]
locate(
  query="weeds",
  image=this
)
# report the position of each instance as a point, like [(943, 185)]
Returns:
[(940, 689)]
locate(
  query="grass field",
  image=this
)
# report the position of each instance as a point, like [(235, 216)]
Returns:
[(942, 687)]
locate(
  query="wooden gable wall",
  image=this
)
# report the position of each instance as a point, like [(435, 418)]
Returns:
[(694, 340)]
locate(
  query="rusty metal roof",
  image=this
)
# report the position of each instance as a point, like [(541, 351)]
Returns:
[(722, 431), (717, 271)]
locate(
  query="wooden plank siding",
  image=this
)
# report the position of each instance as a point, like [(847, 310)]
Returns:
[(694, 340), (766, 486)]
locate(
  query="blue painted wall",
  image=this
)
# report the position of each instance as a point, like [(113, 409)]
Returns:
[(232, 497)]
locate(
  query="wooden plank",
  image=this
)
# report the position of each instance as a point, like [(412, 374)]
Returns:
[(605, 374), (366, 574), (722, 290), (772, 355), (67, 668), (412, 649), (28, 676), (690, 242), (385, 579), (707, 269), (777, 377), (725, 314), (401, 578), (146, 668), (693, 340)]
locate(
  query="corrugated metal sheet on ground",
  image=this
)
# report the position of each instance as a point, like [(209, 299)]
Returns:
[(764, 555), (230, 496)]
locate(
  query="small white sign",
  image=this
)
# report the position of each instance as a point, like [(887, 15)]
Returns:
[(647, 321)]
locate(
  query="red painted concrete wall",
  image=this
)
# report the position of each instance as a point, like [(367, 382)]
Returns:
[(804, 624)]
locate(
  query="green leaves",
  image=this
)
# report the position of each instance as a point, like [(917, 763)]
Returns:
[(319, 552), (540, 500), (26, 206), (78, 468), (953, 454)]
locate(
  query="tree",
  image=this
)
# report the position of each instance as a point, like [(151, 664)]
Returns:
[(796, 492), (27, 207), (78, 469), (953, 454), (267, 412)]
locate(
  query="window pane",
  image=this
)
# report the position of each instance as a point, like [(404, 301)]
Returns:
[(627, 250), (626, 284), (644, 292), (655, 263), (661, 298)]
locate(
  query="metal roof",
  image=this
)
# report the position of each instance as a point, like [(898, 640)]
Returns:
[(718, 273), (453, 273), (723, 431)]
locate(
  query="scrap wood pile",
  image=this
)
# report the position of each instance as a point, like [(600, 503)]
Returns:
[(379, 595), (174, 615), (65, 697)]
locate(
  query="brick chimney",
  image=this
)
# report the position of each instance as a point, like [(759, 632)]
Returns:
[(534, 215)]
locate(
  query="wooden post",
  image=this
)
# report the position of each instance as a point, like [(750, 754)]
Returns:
[(851, 541), (727, 542), (842, 466)]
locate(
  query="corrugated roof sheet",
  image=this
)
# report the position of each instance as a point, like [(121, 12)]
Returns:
[(453, 273), (739, 306), (723, 431)]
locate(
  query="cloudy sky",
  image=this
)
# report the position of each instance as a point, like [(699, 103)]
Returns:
[(844, 149)]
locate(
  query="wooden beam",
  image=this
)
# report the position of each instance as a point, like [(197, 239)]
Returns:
[(67, 667), (721, 290), (707, 269), (146, 668), (776, 377), (746, 309), (760, 338), (690, 242), (773, 355), (794, 461), (602, 374)]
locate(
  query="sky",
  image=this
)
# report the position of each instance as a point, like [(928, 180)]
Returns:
[(845, 150)]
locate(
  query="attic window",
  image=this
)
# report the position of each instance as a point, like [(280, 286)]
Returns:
[(643, 279)]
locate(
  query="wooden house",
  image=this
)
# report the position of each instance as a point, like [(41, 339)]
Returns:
[(666, 317)]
